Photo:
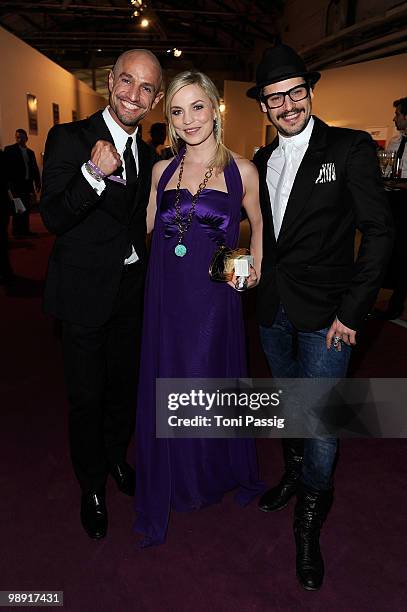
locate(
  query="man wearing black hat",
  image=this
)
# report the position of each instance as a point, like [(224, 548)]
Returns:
[(317, 185)]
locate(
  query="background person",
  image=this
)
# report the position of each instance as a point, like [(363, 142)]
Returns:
[(398, 143), (158, 135), (6, 272), (397, 194), (24, 180)]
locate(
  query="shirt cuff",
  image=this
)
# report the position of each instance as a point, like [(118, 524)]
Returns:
[(98, 186)]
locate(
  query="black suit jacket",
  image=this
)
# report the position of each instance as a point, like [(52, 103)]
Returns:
[(16, 170), (5, 203), (92, 232), (311, 268)]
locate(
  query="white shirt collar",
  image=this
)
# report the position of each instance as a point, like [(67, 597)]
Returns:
[(299, 140), (118, 134)]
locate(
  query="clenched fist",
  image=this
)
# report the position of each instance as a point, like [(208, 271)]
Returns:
[(105, 157)]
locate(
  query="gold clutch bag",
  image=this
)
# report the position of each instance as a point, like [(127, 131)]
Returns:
[(223, 264)]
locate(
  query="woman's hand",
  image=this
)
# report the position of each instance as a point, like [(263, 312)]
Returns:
[(252, 280)]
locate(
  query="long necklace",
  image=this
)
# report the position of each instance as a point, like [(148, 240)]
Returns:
[(183, 226)]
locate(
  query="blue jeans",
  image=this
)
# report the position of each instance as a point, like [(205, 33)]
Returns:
[(296, 354)]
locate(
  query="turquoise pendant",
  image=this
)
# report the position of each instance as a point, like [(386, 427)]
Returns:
[(180, 250)]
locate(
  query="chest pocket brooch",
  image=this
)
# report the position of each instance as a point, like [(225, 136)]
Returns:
[(327, 173)]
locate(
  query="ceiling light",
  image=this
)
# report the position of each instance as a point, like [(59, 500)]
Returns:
[(144, 23), (222, 106)]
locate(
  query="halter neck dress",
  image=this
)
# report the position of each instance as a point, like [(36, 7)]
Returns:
[(193, 328)]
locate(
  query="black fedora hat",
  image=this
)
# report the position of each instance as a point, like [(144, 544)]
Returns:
[(278, 64)]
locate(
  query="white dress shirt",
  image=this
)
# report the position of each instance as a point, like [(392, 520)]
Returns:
[(282, 168), (119, 137), (393, 146)]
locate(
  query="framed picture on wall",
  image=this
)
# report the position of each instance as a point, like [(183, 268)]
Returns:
[(55, 113), (32, 110), (74, 115)]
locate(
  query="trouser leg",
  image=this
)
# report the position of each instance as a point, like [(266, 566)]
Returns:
[(84, 351), (315, 491), (316, 361), (123, 350), (279, 345)]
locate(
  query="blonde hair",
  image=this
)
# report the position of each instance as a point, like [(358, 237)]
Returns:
[(222, 155)]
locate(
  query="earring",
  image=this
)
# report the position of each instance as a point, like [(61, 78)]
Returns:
[(215, 126)]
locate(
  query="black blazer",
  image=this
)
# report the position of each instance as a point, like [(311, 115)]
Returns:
[(16, 170), (311, 268), (92, 233), (5, 203)]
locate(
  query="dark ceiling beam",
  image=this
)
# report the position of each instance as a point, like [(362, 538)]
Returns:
[(152, 47), (228, 29), (75, 8), (84, 34), (252, 24), (200, 28), (157, 24), (31, 22)]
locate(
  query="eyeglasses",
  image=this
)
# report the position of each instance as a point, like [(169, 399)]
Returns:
[(297, 93)]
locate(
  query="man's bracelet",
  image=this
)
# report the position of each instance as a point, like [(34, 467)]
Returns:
[(95, 171), (99, 175)]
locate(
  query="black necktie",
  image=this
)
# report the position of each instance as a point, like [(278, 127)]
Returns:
[(402, 145), (131, 180), (130, 163)]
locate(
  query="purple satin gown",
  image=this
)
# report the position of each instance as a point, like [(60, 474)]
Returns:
[(193, 328)]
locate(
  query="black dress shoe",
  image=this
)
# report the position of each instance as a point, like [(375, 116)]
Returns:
[(125, 477), (94, 514)]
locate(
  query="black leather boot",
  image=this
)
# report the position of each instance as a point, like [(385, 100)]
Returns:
[(278, 497), (310, 512)]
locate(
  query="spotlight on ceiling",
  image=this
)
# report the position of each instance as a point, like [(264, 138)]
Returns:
[(144, 23)]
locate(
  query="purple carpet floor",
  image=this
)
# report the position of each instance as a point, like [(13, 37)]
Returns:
[(223, 558)]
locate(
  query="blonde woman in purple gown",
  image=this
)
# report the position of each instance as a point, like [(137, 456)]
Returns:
[(193, 326)]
